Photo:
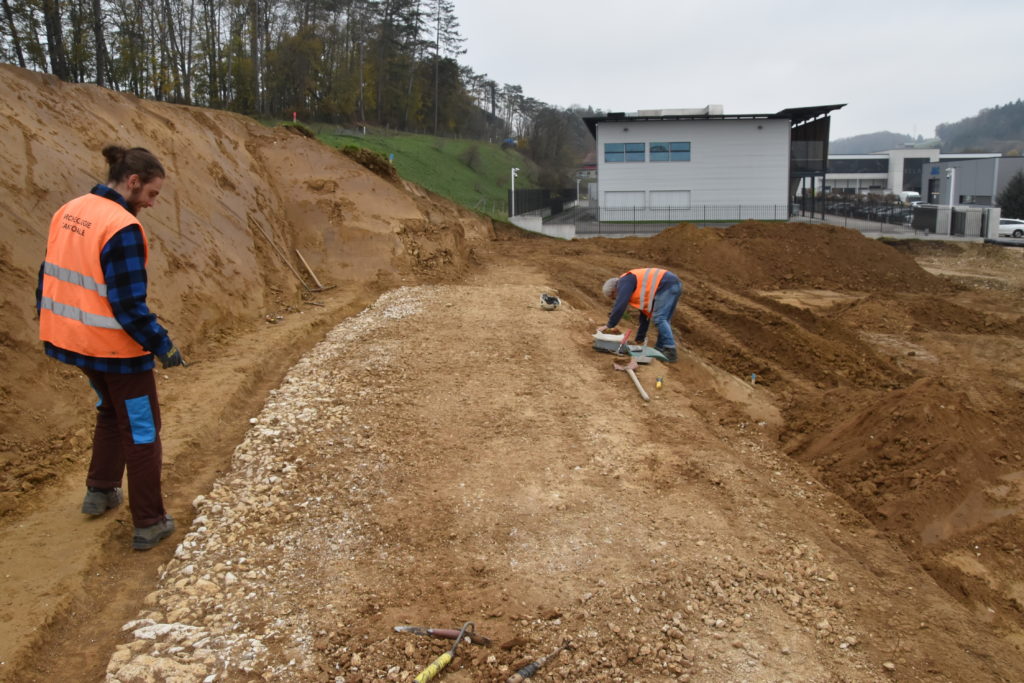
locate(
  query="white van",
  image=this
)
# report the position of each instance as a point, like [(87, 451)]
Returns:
[(909, 197)]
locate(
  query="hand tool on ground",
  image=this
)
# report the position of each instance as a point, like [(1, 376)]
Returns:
[(533, 666), (281, 254), (448, 633), (632, 375), (444, 660), (319, 287), (549, 302)]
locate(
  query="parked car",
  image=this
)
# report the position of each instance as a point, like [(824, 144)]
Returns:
[(1011, 227)]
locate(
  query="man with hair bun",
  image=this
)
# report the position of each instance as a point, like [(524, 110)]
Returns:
[(92, 307)]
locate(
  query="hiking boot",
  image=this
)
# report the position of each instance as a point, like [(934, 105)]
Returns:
[(97, 501), (146, 537), (670, 353)]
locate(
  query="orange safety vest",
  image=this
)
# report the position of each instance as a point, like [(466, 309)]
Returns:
[(74, 312), (647, 281)]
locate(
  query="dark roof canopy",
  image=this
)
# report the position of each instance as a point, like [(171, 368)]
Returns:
[(799, 115), (796, 115)]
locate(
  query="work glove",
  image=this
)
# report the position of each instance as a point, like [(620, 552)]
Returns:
[(172, 357)]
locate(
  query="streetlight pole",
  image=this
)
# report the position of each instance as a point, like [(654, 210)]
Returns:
[(577, 192), (512, 208)]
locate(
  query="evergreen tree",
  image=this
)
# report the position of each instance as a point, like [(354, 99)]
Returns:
[(1011, 199)]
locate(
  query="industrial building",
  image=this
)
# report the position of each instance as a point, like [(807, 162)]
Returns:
[(974, 181), (974, 178), (694, 164)]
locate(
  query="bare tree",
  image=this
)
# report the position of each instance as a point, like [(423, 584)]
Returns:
[(12, 27), (53, 21)]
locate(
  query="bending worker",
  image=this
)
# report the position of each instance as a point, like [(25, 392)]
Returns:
[(655, 293), (93, 314)]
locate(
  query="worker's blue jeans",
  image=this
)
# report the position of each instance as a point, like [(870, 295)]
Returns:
[(661, 313)]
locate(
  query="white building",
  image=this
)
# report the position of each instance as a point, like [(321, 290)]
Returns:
[(701, 164)]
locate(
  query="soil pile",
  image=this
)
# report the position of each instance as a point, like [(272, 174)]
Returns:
[(756, 255)]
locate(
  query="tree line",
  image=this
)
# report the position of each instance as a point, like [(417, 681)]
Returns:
[(869, 143), (387, 63), (996, 129)]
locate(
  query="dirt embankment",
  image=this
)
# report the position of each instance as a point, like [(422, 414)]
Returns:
[(239, 201)]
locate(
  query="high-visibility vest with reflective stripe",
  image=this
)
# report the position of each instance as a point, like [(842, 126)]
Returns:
[(74, 311), (647, 281)]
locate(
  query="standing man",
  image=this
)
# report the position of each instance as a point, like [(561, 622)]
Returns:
[(93, 314), (655, 293)]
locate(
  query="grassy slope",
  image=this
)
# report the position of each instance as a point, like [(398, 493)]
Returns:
[(440, 165)]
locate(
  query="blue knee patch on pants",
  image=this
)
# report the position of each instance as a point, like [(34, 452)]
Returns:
[(140, 417)]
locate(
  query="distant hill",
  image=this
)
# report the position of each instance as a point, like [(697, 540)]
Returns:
[(870, 143), (999, 129)]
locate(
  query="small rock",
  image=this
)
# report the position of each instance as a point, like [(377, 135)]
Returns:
[(888, 666)]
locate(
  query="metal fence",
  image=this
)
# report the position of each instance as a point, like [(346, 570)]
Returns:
[(888, 216), (640, 220), (895, 218), (533, 201)]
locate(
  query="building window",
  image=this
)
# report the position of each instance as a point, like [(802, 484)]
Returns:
[(617, 152), (976, 199), (670, 151), (912, 168), (858, 165)]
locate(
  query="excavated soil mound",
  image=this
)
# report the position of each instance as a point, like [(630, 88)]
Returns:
[(757, 255), (899, 457)]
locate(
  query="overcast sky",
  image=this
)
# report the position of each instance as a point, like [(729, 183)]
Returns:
[(899, 66)]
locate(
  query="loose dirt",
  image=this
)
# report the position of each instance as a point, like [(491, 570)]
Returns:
[(828, 485)]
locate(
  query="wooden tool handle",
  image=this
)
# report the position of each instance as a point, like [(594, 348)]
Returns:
[(639, 387)]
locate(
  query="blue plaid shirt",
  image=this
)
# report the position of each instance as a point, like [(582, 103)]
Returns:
[(123, 260)]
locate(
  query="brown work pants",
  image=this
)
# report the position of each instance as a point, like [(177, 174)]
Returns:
[(127, 436)]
